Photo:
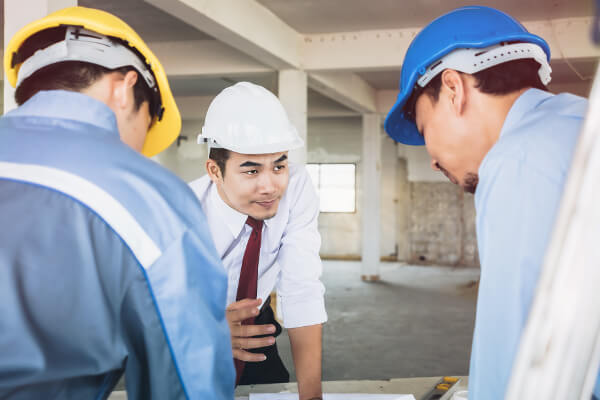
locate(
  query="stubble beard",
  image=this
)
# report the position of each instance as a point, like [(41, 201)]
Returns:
[(471, 181)]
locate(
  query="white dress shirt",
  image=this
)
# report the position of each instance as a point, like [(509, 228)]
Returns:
[(289, 253)]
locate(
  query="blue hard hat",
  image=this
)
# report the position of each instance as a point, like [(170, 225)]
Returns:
[(466, 27)]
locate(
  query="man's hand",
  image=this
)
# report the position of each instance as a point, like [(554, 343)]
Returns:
[(241, 335)]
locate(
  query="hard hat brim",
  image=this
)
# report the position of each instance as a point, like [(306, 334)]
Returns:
[(401, 129)]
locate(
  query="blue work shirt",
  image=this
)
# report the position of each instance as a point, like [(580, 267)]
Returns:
[(106, 265), (521, 181)]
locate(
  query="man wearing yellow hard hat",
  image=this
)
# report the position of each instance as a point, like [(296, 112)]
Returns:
[(106, 263)]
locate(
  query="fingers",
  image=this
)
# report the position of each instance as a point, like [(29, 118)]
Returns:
[(242, 310), (245, 303), (237, 316), (251, 343), (247, 356), (251, 330)]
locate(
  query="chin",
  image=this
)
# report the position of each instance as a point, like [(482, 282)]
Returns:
[(263, 214)]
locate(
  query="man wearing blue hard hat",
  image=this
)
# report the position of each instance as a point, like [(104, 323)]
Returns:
[(473, 90)]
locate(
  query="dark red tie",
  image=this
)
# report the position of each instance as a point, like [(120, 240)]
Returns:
[(249, 277)]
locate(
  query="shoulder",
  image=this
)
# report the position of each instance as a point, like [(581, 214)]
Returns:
[(200, 186), (564, 105), (300, 185), (543, 140), (161, 203)]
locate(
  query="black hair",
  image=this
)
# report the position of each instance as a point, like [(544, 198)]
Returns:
[(72, 75), (220, 156), (501, 79)]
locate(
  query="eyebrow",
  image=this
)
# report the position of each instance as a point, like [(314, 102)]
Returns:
[(250, 164), (281, 159), (254, 164)]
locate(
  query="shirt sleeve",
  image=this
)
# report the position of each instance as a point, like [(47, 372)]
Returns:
[(186, 304), (300, 291)]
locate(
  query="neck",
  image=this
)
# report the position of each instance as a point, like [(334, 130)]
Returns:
[(495, 108)]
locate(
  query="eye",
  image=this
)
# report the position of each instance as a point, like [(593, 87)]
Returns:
[(251, 172), (279, 167)]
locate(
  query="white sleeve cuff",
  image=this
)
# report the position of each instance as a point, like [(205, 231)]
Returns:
[(297, 314)]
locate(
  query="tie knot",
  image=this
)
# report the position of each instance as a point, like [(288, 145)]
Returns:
[(255, 224)]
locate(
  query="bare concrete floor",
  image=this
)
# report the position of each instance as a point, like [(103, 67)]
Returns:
[(417, 321)]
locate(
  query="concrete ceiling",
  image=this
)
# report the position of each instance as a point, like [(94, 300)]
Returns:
[(152, 24), (203, 86), (326, 16), (323, 16)]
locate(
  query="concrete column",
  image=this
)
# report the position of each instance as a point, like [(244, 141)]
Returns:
[(293, 91), (371, 196), (17, 14)]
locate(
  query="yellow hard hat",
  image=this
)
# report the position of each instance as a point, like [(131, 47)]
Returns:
[(167, 124)]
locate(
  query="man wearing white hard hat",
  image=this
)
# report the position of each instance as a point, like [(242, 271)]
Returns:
[(262, 212)]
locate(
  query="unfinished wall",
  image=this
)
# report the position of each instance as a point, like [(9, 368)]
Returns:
[(440, 216), (441, 229)]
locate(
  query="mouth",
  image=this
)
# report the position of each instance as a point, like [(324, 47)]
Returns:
[(266, 204)]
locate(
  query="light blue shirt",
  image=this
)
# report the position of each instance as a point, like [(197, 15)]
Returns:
[(521, 181), (106, 265)]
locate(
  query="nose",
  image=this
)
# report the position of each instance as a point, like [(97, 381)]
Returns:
[(266, 183), (435, 165)]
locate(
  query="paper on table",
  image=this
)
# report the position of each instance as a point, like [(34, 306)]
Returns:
[(332, 396)]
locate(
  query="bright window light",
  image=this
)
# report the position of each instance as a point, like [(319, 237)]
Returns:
[(336, 186)]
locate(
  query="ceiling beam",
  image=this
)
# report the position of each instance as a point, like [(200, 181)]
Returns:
[(385, 100), (384, 49), (567, 37), (255, 31), (246, 26), (205, 57), (357, 51), (194, 108), (348, 51), (346, 88)]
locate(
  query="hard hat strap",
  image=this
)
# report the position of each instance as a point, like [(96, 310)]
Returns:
[(86, 46), (473, 60)]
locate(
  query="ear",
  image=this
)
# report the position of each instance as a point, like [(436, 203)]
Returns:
[(213, 171), (123, 89), (454, 87)]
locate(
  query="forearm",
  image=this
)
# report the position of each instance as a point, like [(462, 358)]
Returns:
[(306, 343)]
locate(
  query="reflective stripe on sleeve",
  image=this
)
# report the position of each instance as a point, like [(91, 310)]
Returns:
[(95, 198)]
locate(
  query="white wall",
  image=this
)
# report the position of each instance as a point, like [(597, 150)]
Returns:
[(187, 160)]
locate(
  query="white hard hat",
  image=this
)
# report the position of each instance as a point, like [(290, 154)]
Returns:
[(249, 119)]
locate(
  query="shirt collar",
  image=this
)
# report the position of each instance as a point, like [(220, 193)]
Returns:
[(233, 219), (63, 104), (522, 106)]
